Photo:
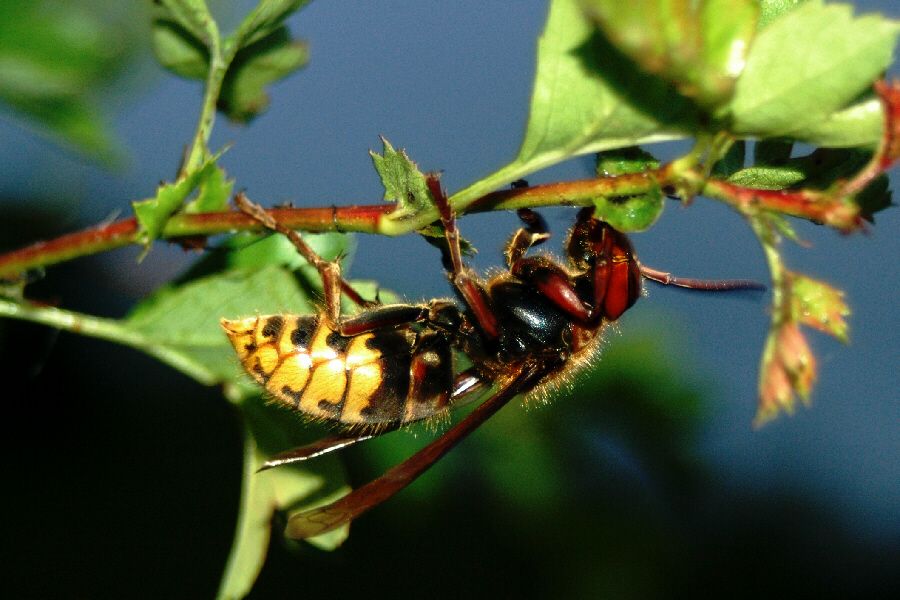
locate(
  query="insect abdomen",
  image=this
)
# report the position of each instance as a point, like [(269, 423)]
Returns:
[(371, 379)]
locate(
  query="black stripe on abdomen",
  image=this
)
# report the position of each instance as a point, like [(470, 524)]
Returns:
[(387, 402)]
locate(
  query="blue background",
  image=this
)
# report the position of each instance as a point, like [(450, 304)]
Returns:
[(450, 83)]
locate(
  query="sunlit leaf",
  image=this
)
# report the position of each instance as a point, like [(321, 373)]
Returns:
[(700, 47), (622, 161), (857, 125), (816, 304), (769, 10), (807, 65), (630, 213), (635, 212), (404, 184), (768, 178), (587, 97)]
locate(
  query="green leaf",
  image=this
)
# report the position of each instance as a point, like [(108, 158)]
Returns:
[(769, 10), (587, 97), (631, 213), (241, 279), (434, 235), (404, 184), (781, 224), (246, 276), (185, 318), (860, 124), (628, 213), (54, 57), (214, 192), (768, 178), (249, 251), (806, 65), (257, 54), (816, 304), (254, 527), (698, 46), (193, 16), (820, 170), (256, 66), (623, 161), (286, 489), (179, 51), (153, 213), (266, 18), (825, 166)]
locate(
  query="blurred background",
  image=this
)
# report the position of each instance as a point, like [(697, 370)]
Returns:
[(648, 481)]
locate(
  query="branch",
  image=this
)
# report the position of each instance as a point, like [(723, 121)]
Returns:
[(816, 206), (833, 207), (360, 219)]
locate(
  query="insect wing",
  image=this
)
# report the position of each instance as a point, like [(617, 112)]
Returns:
[(325, 518)]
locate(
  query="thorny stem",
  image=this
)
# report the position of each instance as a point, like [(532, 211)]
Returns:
[(367, 219), (125, 232), (819, 207), (684, 176)]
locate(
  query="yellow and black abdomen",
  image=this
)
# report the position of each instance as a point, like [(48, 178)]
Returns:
[(385, 377)]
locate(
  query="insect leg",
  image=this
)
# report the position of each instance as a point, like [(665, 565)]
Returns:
[(610, 269), (465, 283), (535, 232), (323, 519), (390, 315), (548, 277), (330, 271)]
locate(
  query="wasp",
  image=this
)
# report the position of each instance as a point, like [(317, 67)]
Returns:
[(391, 365)]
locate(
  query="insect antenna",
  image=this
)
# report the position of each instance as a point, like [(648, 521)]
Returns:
[(702, 285)]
